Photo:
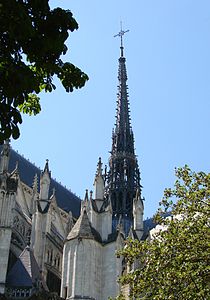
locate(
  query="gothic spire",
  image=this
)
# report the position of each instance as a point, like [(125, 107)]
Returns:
[(123, 178), (122, 135)]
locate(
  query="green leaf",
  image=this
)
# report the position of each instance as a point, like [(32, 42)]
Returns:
[(32, 38)]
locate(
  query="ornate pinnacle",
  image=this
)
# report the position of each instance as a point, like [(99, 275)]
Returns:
[(99, 167), (86, 195), (46, 168)]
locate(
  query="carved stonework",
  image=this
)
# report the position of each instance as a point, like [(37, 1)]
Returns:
[(21, 232), (18, 293), (12, 184), (53, 257), (27, 189)]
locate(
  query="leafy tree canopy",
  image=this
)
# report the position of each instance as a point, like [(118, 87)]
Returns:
[(175, 263), (32, 40)]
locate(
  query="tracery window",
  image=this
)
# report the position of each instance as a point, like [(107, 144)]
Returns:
[(50, 256)]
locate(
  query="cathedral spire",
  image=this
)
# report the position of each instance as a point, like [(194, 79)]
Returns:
[(122, 135), (123, 178)]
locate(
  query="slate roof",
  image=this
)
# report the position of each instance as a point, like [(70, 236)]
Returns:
[(83, 229), (65, 199), (25, 272), (149, 224)]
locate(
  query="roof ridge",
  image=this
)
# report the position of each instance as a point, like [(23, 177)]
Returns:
[(39, 168)]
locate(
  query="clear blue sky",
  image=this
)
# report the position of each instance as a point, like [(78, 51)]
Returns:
[(168, 65)]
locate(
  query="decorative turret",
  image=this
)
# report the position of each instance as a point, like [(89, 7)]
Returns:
[(138, 211), (85, 202), (44, 187), (123, 178), (99, 182), (40, 215)]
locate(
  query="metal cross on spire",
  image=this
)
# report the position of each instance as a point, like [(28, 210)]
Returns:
[(120, 34)]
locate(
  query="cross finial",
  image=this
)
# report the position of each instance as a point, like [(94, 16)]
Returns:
[(120, 34)]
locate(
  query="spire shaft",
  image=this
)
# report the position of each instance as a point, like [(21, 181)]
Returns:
[(123, 135), (123, 178)]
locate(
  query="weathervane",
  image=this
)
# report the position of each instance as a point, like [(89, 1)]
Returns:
[(120, 34)]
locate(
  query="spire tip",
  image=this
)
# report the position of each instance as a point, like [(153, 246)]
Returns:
[(120, 34)]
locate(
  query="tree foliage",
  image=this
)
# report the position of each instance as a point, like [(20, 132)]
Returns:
[(175, 263), (32, 41)]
